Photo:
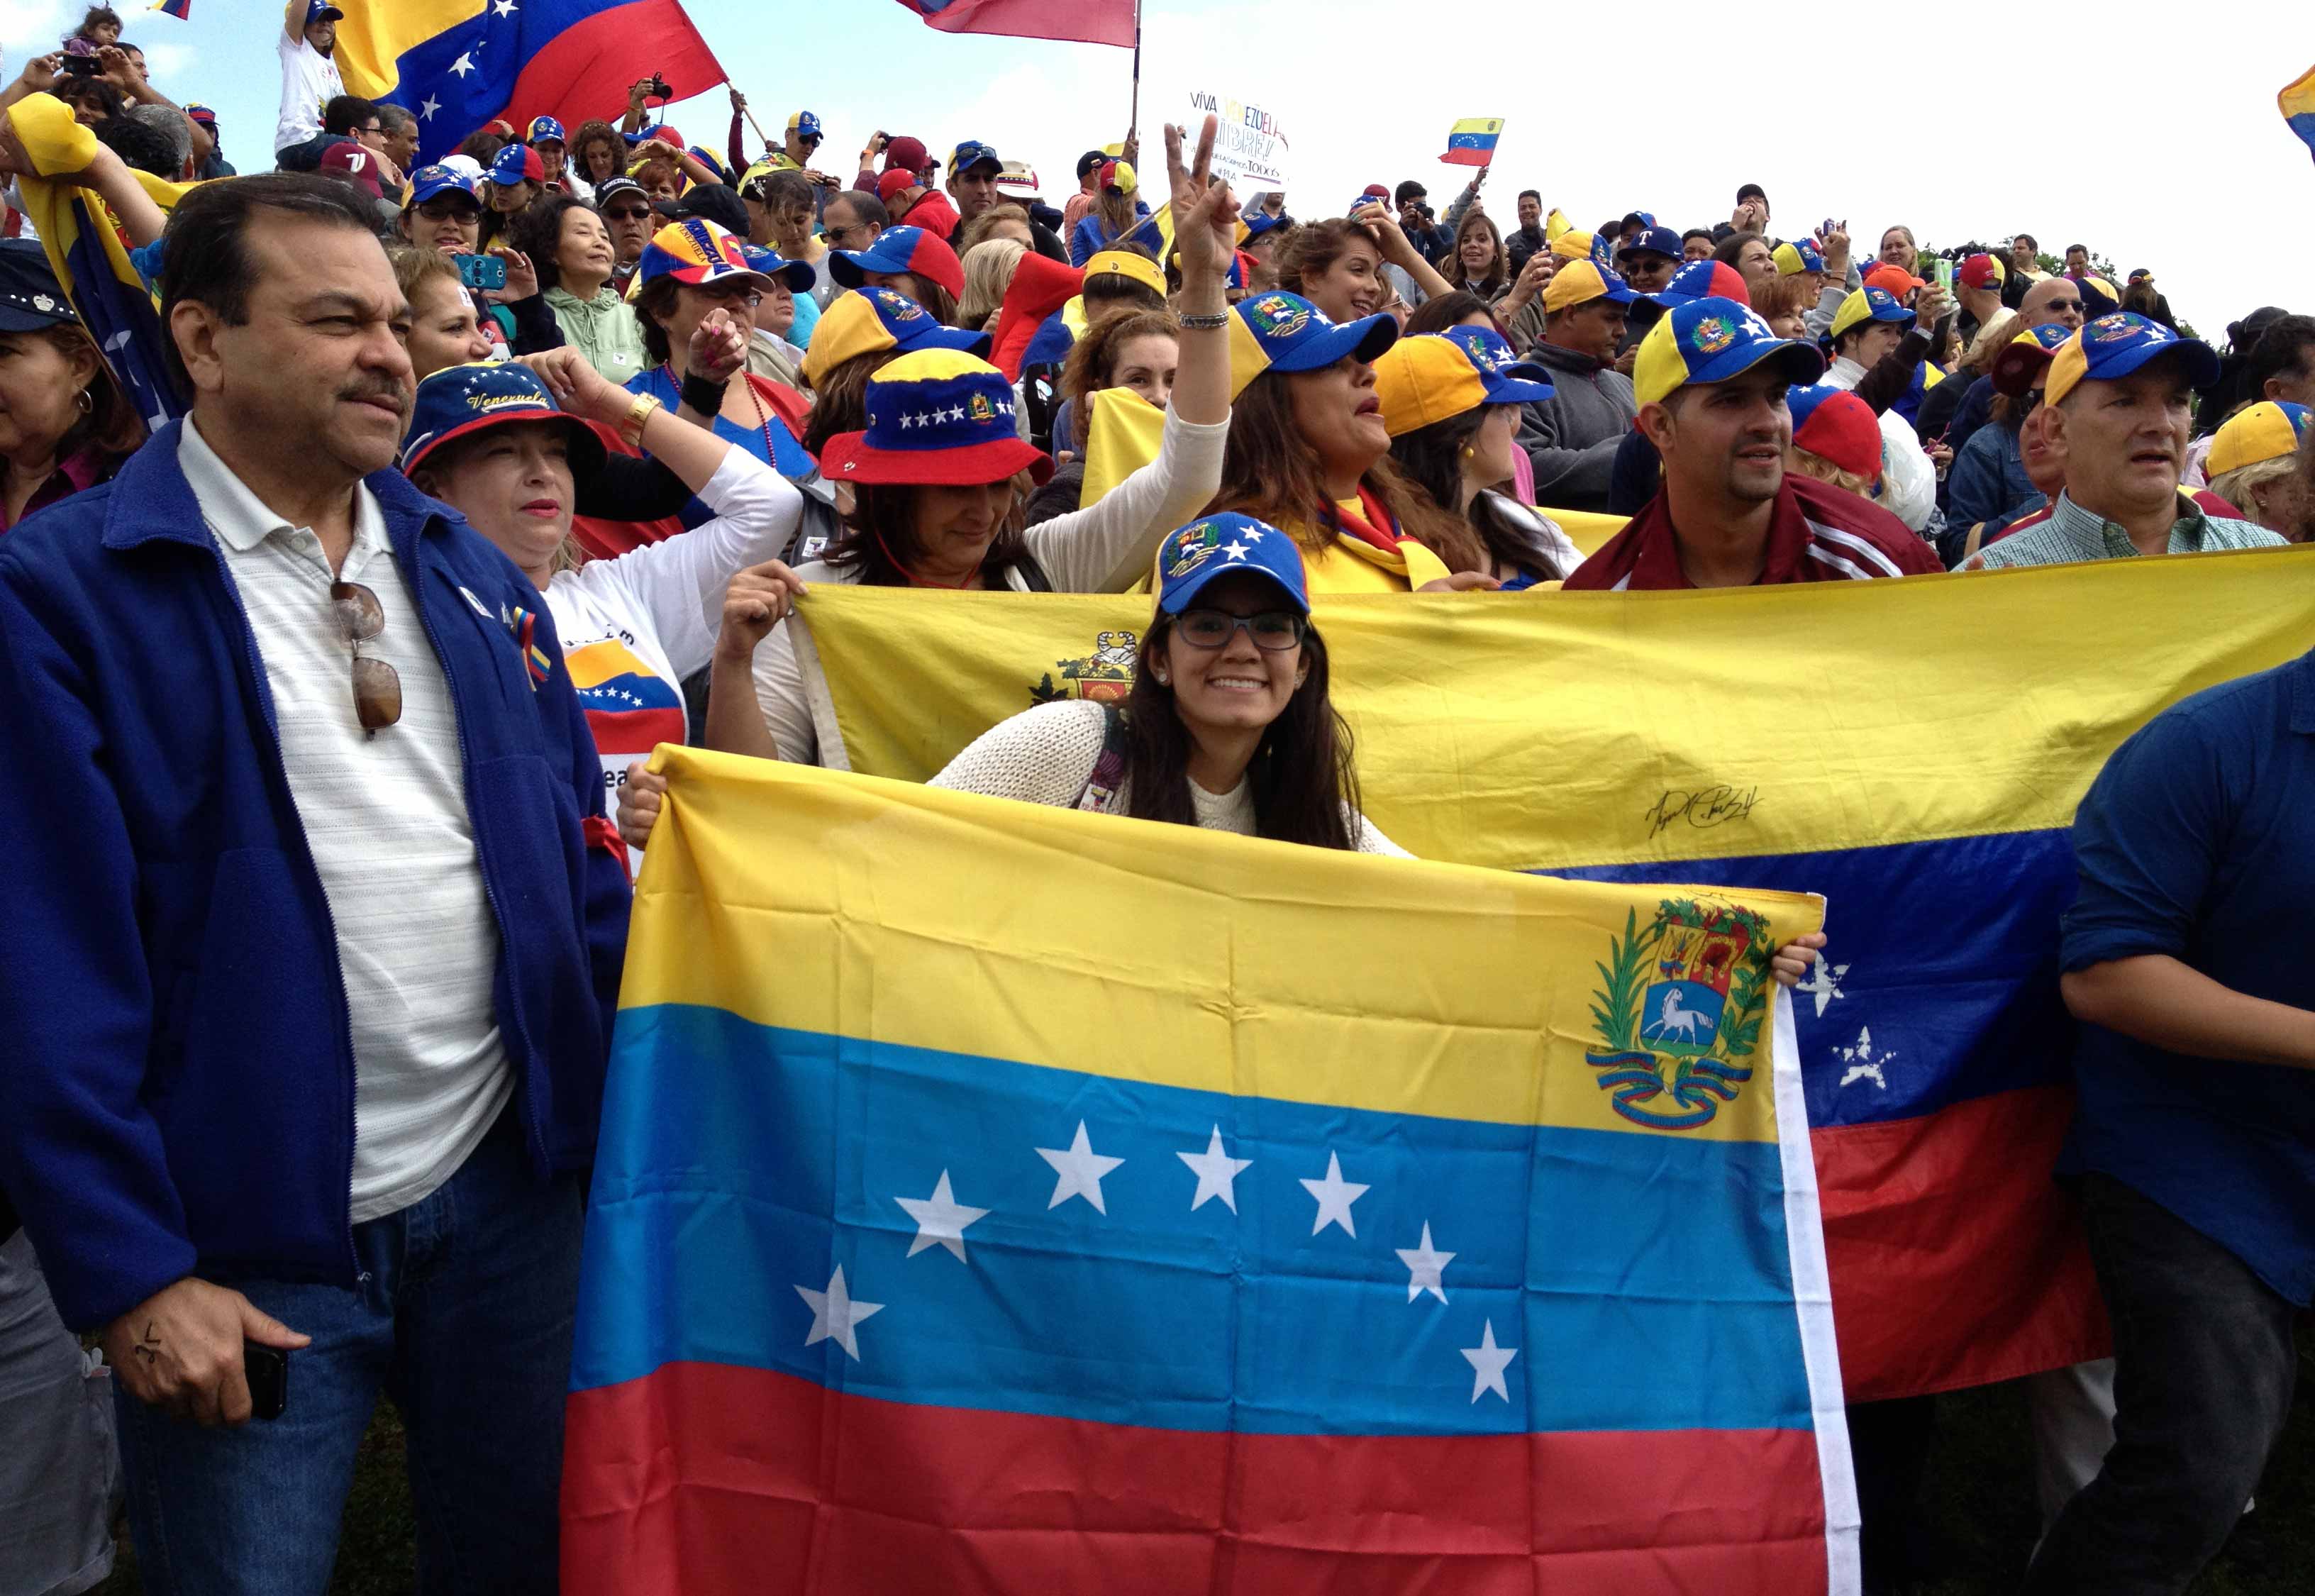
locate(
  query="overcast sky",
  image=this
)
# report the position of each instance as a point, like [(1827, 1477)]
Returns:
[(2164, 147)]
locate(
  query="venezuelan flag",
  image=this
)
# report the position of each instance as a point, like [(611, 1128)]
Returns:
[(1087, 21), (999, 1198), (1471, 142), (121, 312), (2297, 103), (458, 64), (1926, 790), (183, 10)]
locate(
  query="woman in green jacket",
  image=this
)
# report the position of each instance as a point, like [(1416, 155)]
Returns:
[(571, 251)]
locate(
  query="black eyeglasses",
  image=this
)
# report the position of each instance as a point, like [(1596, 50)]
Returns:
[(444, 210), (1273, 630), (377, 689)]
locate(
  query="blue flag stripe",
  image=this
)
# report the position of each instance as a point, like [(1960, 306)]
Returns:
[(1662, 1295)]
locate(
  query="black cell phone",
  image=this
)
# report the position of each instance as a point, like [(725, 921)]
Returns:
[(82, 66), (267, 1370)]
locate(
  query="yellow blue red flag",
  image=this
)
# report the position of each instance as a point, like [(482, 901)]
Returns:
[(996, 1197), (458, 64), (1471, 142), (1925, 791), (2297, 103)]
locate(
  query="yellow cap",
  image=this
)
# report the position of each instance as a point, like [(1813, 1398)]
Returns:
[(2261, 433), (1572, 245), (1425, 379), (1580, 283)]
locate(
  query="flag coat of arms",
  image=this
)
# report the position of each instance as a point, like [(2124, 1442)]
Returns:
[(1925, 789), (1471, 142), (995, 1198)]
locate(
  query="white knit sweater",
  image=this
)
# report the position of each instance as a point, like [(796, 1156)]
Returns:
[(1045, 755)]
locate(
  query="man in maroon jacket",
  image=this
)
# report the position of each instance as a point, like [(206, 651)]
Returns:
[(1711, 378)]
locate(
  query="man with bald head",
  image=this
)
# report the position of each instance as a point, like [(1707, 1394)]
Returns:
[(2054, 302)]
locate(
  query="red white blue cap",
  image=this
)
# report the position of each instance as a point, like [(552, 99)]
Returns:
[(896, 250), (430, 181), (1223, 544), (1703, 280), (1710, 342), (1839, 426), (517, 162), (460, 400), (935, 416)]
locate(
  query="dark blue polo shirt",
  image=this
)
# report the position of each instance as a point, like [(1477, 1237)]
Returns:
[(2198, 841)]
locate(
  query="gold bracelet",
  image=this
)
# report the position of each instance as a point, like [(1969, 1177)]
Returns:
[(639, 413)]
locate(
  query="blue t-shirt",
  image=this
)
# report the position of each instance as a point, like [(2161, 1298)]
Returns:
[(785, 454), (2195, 842)]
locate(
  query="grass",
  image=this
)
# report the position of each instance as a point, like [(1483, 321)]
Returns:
[(1979, 1505)]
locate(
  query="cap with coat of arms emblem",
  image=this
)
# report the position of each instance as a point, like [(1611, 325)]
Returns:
[(1436, 376), (1218, 545), (1283, 331), (871, 320), (936, 417), (1710, 340), (2113, 346)]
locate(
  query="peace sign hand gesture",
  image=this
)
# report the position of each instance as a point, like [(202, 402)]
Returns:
[(1205, 213)]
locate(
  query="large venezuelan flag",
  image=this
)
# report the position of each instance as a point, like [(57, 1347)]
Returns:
[(994, 1198), (1090, 21), (1914, 751), (458, 64)]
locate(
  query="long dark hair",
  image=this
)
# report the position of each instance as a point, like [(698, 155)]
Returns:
[(1499, 270), (1304, 784), (1270, 473), (1431, 457), (537, 230), (1443, 311), (882, 531)]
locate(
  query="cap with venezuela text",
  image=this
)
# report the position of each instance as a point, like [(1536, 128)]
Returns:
[(2114, 346), (464, 399), (872, 319), (1436, 376), (1221, 544), (896, 250), (1710, 342), (1283, 331)]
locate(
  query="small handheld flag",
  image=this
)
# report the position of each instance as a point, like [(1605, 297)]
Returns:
[(2297, 103), (1471, 142), (183, 10)]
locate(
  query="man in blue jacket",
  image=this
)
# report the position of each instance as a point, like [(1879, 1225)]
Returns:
[(311, 969)]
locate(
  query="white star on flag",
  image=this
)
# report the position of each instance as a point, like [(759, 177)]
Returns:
[(1217, 1171), (941, 1219), (1080, 1170), (1488, 1363), (907, 420), (1335, 1195), (463, 65), (506, 8), (430, 108), (1424, 1267), (834, 1314)]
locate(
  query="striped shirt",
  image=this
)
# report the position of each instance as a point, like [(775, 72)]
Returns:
[(1816, 533), (2073, 535)]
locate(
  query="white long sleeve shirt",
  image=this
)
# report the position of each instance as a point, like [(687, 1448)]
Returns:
[(1909, 477)]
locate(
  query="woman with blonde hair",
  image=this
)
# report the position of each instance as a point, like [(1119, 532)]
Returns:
[(1118, 216), (2253, 465), (989, 269)]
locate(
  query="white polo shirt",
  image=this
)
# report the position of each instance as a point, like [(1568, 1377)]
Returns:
[(385, 818)]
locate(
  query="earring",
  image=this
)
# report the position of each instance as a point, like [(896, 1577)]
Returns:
[(87, 405), (1162, 679), (1468, 452)]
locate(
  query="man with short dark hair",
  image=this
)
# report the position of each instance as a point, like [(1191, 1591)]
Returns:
[(2282, 366), (973, 168), (346, 118), (398, 136), (1711, 379), (1525, 240), (305, 1059), (628, 215)]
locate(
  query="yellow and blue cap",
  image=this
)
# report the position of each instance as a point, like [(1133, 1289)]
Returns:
[(805, 125), (1796, 257), (1579, 282), (2113, 346), (2015, 364), (1283, 331), (935, 416), (1131, 264), (869, 321), (1711, 341), (2261, 432), (971, 152), (1221, 545), (1866, 305), (1436, 376)]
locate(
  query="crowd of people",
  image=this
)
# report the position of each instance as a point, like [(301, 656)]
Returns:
[(494, 473)]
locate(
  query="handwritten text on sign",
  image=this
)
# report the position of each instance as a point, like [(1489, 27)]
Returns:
[(1248, 148)]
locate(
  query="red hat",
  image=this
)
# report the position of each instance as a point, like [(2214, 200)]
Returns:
[(1981, 271), (908, 155), (1893, 281), (356, 163), (895, 182), (503, 128), (1834, 424), (935, 416)]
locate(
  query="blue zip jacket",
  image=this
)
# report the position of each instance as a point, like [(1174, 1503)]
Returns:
[(1092, 236), (178, 1091)]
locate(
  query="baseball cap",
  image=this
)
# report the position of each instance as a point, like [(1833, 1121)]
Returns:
[(1658, 241), (462, 399), (1703, 279), (971, 152), (1283, 331), (908, 155), (200, 113), (517, 162), (2097, 295), (1127, 264), (1262, 222), (1711, 341), (1866, 305), (1194, 555), (30, 295), (1795, 258), (696, 252), (466, 166), (1574, 246), (2261, 432), (1579, 282), (869, 321), (1892, 280), (1837, 424), (1089, 163), (2015, 364), (895, 250), (430, 181), (1436, 376), (611, 188), (797, 276), (1119, 176), (805, 125), (357, 163), (719, 203), (896, 182), (935, 415), (1983, 271), (2117, 344), (546, 128), (318, 11), (659, 132)]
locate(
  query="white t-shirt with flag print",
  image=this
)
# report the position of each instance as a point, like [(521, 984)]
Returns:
[(309, 81)]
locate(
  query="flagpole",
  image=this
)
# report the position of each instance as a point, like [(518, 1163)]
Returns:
[(1133, 119)]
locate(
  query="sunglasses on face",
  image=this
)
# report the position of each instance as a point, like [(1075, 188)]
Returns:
[(629, 213), (445, 210), (1274, 631), (377, 689)]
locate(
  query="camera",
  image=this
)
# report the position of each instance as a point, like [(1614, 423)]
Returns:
[(657, 88)]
